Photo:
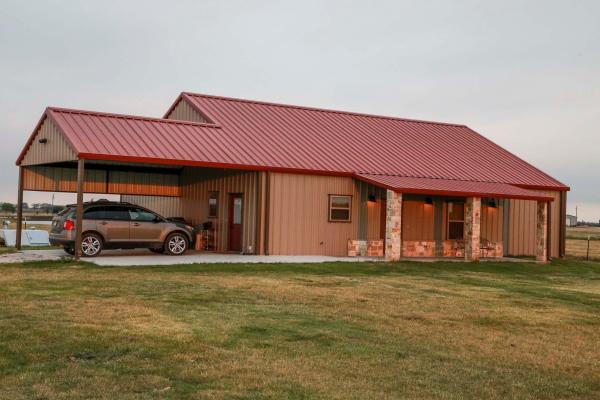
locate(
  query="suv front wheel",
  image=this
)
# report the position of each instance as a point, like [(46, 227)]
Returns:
[(91, 245), (176, 244)]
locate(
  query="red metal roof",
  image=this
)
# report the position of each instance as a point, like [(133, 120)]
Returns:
[(317, 139), (451, 187), (266, 136)]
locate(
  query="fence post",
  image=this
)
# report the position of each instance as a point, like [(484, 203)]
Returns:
[(587, 256)]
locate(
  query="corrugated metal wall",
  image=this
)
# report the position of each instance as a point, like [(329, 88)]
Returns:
[(417, 220), (298, 215), (154, 184), (165, 206), (195, 185), (522, 225), (492, 221), (56, 179), (369, 222), (53, 179), (56, 148), (184, 112)]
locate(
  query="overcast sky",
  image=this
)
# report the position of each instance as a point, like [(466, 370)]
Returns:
[(524, 74)]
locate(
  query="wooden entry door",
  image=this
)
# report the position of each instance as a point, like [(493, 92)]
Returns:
[(236, 227)]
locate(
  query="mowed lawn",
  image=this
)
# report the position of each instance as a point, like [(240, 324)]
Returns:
[(340, 331)]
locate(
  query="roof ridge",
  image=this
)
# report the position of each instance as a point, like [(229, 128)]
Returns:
[(327, 110), (135, 117)]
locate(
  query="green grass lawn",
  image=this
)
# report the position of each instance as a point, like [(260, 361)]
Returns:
[(343, 331)]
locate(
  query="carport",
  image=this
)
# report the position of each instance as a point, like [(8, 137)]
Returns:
[(92, 176), (97, 153)]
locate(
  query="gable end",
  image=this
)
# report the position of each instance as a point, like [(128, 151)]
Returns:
[(48, 145)]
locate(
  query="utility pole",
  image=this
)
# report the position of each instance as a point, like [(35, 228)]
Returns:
[(52, 211), (576, 220)]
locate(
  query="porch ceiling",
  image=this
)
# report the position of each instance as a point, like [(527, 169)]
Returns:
[(448, 187)]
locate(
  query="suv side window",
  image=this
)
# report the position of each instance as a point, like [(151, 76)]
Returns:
[(116, 213), (94, 213), (141, 215)]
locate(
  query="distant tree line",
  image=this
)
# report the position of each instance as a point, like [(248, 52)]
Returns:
[(35, 207)]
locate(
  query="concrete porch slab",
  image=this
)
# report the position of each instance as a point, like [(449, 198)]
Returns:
[(144, 257)]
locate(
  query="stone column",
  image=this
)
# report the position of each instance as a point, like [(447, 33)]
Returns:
[(393, 226), (541, 232), (473, 229)]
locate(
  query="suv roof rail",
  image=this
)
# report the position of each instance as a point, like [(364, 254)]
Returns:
[(101, 201)]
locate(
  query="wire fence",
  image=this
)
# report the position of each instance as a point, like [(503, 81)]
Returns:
[(583, 242)]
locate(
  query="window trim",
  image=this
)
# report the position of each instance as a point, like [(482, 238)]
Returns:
[(448, 220), (216, 192), (330, 208)]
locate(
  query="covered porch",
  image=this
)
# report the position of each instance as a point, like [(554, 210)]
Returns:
[(439, 219)]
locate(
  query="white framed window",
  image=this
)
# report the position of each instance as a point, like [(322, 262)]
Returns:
[(456, 221), (340, 208)]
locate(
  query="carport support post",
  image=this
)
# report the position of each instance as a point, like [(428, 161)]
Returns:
[(473, 229), (19, 210), (541, 232), (79, 212), (393, 226)]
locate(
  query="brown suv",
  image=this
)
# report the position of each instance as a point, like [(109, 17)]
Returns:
[(117, 225)]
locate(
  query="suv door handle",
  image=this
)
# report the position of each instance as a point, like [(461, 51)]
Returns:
[(103, 223), (136, 224)]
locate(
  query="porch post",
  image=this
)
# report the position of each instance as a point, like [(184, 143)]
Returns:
[(19, 210), (473, 229), (79, 212), (541, 233), (393, 226)]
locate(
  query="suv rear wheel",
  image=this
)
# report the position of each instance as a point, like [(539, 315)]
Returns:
[(176, 244), (91, 245)]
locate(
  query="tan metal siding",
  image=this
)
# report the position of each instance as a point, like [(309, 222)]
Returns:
[(56, 149), (184, 112), (298, 215), (197, 182), (262, 218), (417, 220), (522, 223), (492, 222), (55, 179), (153, 184), (165, 206), (374, 210)]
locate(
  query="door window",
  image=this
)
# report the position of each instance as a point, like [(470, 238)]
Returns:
[(94, 213), (237, 210), (141, 215), (117, 213)]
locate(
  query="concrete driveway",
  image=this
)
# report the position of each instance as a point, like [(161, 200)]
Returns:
[(145, 257)]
